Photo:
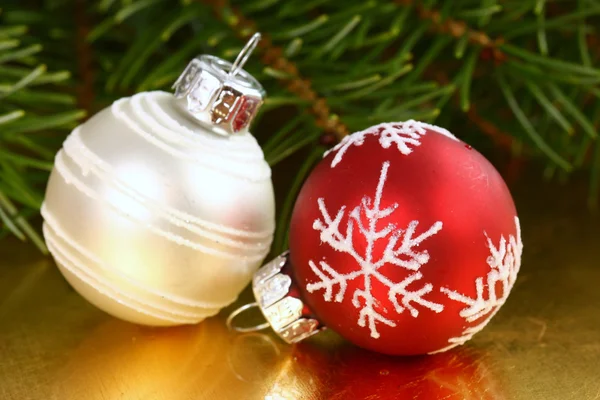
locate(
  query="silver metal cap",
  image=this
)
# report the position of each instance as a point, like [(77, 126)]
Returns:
[(221, 95), (278, 299)]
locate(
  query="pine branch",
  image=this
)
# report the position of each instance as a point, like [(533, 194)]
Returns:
[(26, 107), (524, 73)]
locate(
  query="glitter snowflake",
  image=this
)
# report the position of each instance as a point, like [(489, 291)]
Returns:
[(404, 135), (504, 262), (401, 250)]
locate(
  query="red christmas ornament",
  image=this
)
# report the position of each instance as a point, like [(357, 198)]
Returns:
[(404, 240)]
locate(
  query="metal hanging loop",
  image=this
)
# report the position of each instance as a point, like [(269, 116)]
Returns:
[(244, 54), (237, 312), (221, 96)]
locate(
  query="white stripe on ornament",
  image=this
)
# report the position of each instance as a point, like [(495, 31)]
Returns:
[(77, 268), (119, 113), (76, 150), (58, 231), (63, 170)]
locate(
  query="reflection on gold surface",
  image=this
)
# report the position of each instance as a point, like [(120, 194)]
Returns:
[(89, 355), (143, 361), (543, 345), (332, 369), (262, 350), (347, 372)]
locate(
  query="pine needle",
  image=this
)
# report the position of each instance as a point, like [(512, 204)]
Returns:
[(575, 112), (259, 5), (584, 51), (417, 102), (25, 161), (356, 83), (276, 138), (547, 104), (302, 29), (541, 33), (8, 44), (15, 30), (480, 12), (8, 222), (561, 66), (466, 79), (380, 84), (528, 127), (11, 116), (23, 82), (291, 149), (559, 22), (335, 40), (461, 45), (133, 8), (33, 124), (20, 54), (293, 47), (22, 224), (32, 98)]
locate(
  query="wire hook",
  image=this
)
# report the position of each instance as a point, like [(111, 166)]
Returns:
[(244, 54), (237, 312)]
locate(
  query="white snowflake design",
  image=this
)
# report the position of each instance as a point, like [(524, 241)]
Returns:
[(401, 250), (504, 262), (404, 135)]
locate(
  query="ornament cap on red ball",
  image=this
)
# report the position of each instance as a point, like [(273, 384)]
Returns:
[(279, 299), (404, 240)]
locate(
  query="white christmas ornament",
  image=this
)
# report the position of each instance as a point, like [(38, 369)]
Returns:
[(160, 208)]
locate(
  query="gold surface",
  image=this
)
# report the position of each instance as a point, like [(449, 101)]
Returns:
[(544, 344)]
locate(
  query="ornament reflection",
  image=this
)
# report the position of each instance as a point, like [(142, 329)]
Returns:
[(116, 360)]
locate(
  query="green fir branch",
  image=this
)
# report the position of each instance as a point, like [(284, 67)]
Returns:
[(530, 66)]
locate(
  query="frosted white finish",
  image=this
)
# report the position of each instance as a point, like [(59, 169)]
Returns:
[(152, 218)]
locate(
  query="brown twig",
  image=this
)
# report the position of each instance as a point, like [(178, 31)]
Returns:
[(85, 93), (498, 136), (458, 29), (272, 56)]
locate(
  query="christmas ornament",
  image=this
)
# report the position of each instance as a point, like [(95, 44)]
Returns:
[(404, 240), (160, 208)]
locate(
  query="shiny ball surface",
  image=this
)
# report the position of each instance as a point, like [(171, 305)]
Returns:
[(405, 240), (154, 219)]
